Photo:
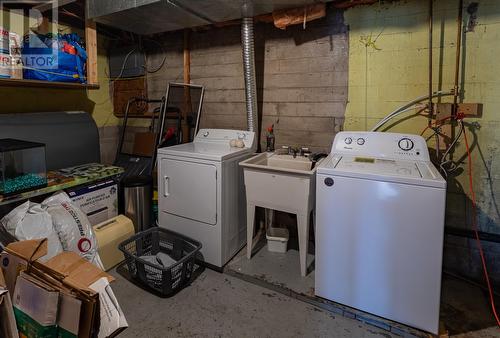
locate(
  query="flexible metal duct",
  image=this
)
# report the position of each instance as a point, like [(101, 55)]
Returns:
[(247, 40)]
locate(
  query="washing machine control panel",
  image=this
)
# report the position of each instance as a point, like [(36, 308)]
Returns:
[(224, 136), (381, 145)]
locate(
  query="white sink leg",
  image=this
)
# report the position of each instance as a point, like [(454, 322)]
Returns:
[(250, 228), (303, 231)]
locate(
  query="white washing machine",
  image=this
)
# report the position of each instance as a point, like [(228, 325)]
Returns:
[(380, 206), (201, 191)]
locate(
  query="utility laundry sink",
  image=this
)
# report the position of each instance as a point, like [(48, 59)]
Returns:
[(289, 162), (285, 183)]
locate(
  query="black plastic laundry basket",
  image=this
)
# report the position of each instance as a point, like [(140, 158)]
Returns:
[(163, 279)]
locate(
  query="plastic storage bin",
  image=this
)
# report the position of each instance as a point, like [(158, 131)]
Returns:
[(277, 239), (22, 166), (109, 235), (161, 259)]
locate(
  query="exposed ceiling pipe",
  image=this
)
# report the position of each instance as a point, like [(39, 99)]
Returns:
[(248, 45)]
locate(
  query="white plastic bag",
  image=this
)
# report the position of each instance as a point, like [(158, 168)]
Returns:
[(32, 221), (73, 227)]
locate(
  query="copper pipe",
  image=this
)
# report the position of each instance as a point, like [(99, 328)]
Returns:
[(457, 56), (431, 108)]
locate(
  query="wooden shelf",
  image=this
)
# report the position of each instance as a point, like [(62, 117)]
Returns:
[(45, 84)]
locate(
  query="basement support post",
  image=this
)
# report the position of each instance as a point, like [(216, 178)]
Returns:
[(91, 44)]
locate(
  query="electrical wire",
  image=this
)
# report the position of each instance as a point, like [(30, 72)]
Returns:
[(476, 230), (435, 124), (443, 159), (156, 69), (162, 63), (123, 66)]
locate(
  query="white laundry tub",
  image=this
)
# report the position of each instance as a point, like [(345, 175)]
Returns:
[(284, 183)]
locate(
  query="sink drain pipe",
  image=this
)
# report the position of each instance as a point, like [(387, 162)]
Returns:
[(247, 40)]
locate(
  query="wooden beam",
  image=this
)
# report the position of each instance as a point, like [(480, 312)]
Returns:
[(91, 46), (344, 4), (295, 16)]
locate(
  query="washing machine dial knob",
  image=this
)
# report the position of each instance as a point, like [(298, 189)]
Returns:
[(360, 141), (348, 140), (405, 144)]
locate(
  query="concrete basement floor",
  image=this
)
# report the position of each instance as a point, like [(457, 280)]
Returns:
[(218, 305), (465, 309)]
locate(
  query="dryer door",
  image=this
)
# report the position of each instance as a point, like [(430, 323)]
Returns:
[(189, 190)]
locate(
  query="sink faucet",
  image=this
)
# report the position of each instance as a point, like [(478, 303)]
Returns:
[(289, 150), (302, 151)]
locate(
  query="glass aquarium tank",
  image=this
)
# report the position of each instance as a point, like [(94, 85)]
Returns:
[(22, 166)]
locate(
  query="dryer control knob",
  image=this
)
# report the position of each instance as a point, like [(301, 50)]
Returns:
[(361, 141), (348, 140)]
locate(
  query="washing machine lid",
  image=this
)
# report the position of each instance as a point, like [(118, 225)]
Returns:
[(383, 167), (421, 173)]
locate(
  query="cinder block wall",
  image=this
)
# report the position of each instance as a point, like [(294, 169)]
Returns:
[(301, 78)]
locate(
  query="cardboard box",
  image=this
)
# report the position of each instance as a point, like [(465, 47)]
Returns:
[(11, 266), (98, 201), (68, 318), (112, 318), (35, 307), (71, 277), (8, 328)]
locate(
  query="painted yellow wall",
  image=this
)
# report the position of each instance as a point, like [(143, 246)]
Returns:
[(388, 66)]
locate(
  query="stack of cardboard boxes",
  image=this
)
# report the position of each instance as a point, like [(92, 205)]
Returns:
[(8, 327), (65, 296)]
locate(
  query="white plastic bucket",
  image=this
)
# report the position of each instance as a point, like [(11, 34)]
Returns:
[(277, 239)]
